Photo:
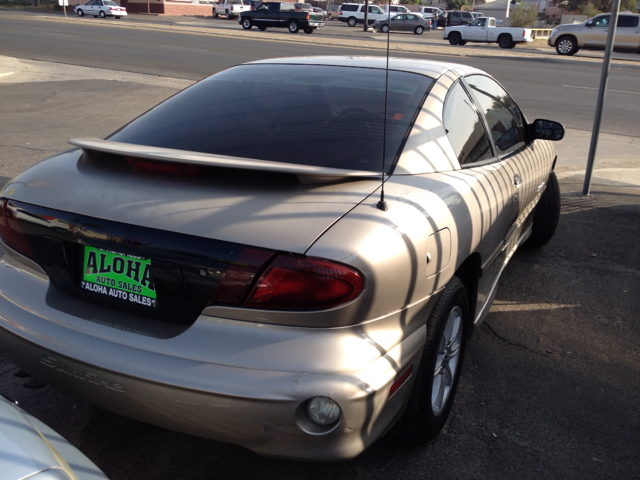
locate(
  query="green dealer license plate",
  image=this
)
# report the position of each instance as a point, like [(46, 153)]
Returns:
[(118, 276)]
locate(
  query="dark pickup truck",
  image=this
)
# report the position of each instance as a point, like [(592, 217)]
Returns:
[(281, 15)]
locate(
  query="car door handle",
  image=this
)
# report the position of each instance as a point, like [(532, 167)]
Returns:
[(517, 181)]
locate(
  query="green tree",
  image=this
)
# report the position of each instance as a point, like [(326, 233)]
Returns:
[(598, 6), (523, 16), (457, 4)]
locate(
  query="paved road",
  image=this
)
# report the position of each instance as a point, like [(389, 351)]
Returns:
[(550, 387), (565, 91)]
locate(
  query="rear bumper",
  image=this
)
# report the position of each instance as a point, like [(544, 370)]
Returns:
[(237, 382)]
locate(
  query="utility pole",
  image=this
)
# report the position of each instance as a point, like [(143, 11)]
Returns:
[(604, 79), (366, 16)]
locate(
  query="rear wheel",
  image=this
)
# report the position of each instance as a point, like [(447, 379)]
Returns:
[(546, 216), (215, 14), (246, 23), (352, 22), (455, 38), (419, 29), (262, 28), (308, 30), (293, 27), (226, 12), (80, 13), (117, 18), (103, 15), (566, 46), (505, 41), (439, 370), (384, 28)]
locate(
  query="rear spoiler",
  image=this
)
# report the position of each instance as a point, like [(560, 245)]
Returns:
[(306, 174)]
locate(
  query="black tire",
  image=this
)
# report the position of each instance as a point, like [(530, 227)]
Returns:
[(227, 14), (246, 23), (262, 28), (352, 21), (455, 38), (308, 31), (505, 41), (419, 30), (546, 216), (425, 415), (102, 14), (215, 14), (513, 45), (117, 18), (384, 28), (462, 42), (293, 26), (95, 16), (566, 46), (80, 13)]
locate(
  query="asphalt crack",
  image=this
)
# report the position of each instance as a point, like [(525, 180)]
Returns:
[(500, 337), (22, 146)]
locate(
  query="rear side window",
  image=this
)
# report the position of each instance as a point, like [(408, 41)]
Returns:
[(303, 114), (349, 8), (627, 21), (503, 115), (464, 128)]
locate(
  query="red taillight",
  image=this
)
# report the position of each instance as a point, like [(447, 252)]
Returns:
[(308, 15), (305, 284), (113, 8), (231, 8), (237, 279), (10, 229), (180, 169), (400, 381)]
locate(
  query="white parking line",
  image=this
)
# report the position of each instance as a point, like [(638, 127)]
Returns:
[(186, 48), (608, 89), (60, 35)]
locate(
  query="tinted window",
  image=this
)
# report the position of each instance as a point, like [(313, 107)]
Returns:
[(349, 8), (411, 17), (307, 114), (627, 21), (464, 127), (503, 115)]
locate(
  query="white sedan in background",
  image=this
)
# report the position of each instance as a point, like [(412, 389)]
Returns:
[(101, 8)]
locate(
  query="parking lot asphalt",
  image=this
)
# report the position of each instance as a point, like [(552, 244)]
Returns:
[(550, 386)]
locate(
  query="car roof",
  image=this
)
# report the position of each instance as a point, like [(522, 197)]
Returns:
[(429, 68)]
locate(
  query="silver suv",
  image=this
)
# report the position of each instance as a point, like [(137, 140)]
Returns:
[(592, 34)]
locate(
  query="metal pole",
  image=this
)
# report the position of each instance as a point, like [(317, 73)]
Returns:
[(366, 16), (506, 19), (613, 24)]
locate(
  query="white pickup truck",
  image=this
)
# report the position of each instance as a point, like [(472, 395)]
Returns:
[(230, 8), (484, 30)]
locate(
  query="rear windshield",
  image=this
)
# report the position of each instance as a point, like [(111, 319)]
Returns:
[(315, 115)]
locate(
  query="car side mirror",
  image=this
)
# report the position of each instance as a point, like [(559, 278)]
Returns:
[(547, 130), (589, 23)]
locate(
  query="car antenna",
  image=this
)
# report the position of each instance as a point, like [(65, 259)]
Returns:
[(382, 204)]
